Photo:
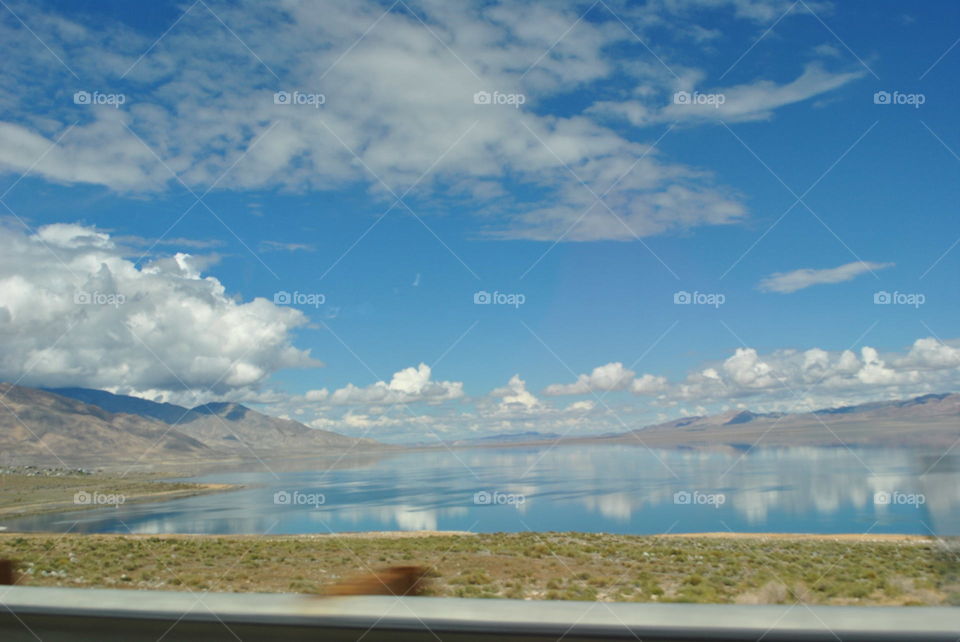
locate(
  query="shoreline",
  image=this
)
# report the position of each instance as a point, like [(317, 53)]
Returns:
[(838, 537), (44, 508), (29, 495), (399, 535)]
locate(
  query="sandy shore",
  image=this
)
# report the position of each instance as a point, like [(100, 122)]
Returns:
[(821, 537), (403, 535), (371, 535)]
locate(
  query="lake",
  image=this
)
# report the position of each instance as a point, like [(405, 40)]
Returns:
[(596, 488)]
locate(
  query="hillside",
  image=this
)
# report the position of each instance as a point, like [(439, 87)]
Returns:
[(929, 420), (84, 423), (36, 422), (230, 426)]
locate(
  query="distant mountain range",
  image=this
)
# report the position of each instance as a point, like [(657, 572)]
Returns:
[(80, 422), (505, 438), (227, 426), (931, 420), (84, 423)]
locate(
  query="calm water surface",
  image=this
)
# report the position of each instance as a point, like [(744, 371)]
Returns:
[(599, 488)]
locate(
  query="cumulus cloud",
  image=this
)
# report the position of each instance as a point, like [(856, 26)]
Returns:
[(786, 282), (929, 353), (317, 395), (648, 384), (785, 380), (747, 370), (407, 386), (816, 378), (74, 311), (607, 378), (612, 376), (514, 397), (790, 379)]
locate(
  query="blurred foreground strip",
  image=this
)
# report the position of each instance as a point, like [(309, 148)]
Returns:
[(64, 614), (395, 580)]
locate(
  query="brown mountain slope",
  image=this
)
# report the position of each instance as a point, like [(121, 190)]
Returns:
[(234, 427), (35, 422), (52, 424), (929, 420)]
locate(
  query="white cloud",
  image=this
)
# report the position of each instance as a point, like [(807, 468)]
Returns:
[(409, 385), (784, 380), (648, 384), (75, 312), (399, 99), (607, 378), (101, 153), (874, 370), (763, 12), (930, 353), (317, 395), (786, 282), (514, 397), (278, 246), (817, 378), (612, 376), (755, 100), (746, 370)]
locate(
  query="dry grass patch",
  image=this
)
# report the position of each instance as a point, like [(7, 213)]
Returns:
[(564, 566)]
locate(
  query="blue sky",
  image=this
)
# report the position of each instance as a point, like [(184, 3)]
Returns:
[(735, 150)]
